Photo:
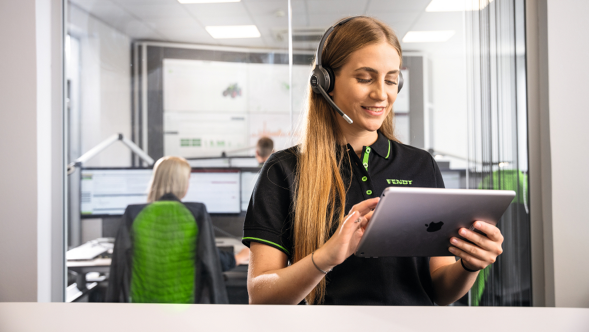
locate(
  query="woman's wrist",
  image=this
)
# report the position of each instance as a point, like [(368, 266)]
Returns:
[(467, 268), (320, 259)]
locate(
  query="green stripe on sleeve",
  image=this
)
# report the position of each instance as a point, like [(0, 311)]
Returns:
[(266, 241)]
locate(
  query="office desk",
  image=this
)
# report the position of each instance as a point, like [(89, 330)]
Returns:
[(100, 317), (235, 279)]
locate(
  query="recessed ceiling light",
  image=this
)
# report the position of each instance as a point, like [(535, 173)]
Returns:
[(428, 36), (233, 31), (456, 5), (206, 1)]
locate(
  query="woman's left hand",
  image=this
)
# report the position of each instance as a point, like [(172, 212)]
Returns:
[(483, 250)]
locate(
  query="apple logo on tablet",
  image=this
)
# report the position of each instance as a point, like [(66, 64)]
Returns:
[(434, 226)]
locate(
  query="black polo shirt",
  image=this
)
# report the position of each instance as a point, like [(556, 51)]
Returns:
[(358, 281)]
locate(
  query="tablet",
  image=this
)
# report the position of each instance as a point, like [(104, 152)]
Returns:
[(419, 222)]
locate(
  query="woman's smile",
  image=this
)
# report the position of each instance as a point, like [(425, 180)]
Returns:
[(374, 110)]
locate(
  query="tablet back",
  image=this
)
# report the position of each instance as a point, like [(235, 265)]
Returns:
[(410, 222)]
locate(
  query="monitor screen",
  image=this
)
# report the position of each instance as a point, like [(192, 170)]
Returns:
[(453, 179), (218, 189), (109, 191), (248, 182)]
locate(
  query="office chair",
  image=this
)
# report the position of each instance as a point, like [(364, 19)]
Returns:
[(164, 236)]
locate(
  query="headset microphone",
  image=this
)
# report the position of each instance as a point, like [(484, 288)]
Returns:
[(323, 79), (328, 98)]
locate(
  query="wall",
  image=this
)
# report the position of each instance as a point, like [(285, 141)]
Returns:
[(105, 87), (449, 100), (568, 70), (18, 146)]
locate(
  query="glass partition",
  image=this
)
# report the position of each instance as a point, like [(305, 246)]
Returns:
[(205, 80)]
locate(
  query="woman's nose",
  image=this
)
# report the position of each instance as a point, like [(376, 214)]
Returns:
[(379, 92)]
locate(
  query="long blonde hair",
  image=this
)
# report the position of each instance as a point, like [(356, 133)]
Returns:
[(320, 191), (170, 175)]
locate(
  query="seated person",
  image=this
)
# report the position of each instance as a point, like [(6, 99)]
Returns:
[(165, 250), (264, 148)]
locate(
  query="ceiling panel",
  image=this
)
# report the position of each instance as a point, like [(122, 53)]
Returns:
[(160, 24), (395, 16), (271, 20), (439, 21), (393, 5), (325, 20), (266, 6), (196, 35), (225, 20), (235, 9), (169, 20), (139, 30), (344, 8), (163, 10)]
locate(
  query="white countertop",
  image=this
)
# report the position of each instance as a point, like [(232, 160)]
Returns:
[(101, 317)]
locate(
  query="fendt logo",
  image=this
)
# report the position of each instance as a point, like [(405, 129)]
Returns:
[(401, 182)]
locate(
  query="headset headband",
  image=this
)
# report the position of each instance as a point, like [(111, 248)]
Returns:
[(326, 34)]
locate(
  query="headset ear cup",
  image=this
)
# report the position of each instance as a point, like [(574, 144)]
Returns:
[(331, 79), (401, 81)]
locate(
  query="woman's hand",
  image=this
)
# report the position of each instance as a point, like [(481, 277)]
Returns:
[(345, 240), (483, 250)]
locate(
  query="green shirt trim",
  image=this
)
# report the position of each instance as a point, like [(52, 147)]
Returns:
[(266, 241), (366, 155), (388, 153)]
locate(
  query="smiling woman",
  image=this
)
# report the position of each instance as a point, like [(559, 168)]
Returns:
[(312, 202), (367, 88)]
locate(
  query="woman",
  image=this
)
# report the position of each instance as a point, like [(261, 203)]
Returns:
[(156, 240), (312, 202)]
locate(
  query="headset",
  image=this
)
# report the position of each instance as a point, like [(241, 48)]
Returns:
[(322, 78)]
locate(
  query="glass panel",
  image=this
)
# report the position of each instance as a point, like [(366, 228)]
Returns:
[(154, 78), (498, 156)]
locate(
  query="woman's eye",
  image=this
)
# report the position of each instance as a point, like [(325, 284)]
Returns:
[(391, 82), (361, 80)]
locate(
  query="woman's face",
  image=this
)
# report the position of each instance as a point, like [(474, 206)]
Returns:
[(366, 86)]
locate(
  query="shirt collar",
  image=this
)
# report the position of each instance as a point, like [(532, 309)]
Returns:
[(169, 197), (382, 146)]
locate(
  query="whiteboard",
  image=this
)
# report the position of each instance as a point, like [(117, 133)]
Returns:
[(212, 107)]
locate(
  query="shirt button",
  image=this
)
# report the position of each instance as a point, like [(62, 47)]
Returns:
[(365, 165), (368, 149), (369, 192), (364, 178)]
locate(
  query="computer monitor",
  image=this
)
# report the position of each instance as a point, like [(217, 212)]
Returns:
[(454, 178), (218, 189), (248, 182), (109, 191)]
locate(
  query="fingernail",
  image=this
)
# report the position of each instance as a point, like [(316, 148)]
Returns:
[(463, 231), (454, 240), (477, 224), (451, 249)]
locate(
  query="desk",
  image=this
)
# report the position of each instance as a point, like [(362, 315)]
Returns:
[(99, 317), (235, 279)]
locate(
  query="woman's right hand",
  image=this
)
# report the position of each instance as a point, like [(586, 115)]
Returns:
[(345, 240)]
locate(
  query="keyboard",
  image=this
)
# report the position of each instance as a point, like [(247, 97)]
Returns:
[(90, 250)]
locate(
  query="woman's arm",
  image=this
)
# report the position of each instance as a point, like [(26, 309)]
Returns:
[(451, 281), (271, 281)]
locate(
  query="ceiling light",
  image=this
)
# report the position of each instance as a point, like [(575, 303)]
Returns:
[(206, 1), (428, 36), (456, 5), (233, 31)]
